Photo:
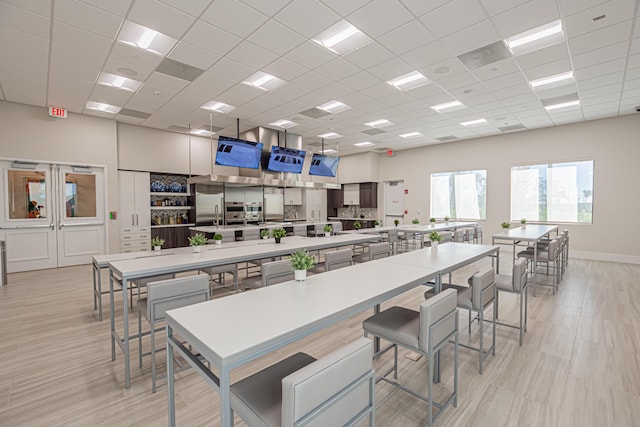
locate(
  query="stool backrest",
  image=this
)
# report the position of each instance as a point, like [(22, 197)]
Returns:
[(175, 293), (436, 319), (338, 259), (482, 284), (276, 272), (519, 274), (379, 250)]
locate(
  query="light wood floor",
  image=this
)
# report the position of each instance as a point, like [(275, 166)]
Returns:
[(579, 365)]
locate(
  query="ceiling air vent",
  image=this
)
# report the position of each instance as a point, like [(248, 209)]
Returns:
[(485, 55), (314, 113), (447, 138), (373, 131), (134, 113), (179, 70), (180, 129), (512, 128)]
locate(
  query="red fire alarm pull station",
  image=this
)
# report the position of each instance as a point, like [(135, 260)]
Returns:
[(406, 212), (390, 153), (406, 191)]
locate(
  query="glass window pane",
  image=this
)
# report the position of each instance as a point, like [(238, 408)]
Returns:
[(27, 194), (459, 195), (466, 196), (440, 200), (525, 199), (80, 195)]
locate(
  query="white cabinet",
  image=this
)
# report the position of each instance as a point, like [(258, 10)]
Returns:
[(316, 205), (293, 196), (351, 194), (134, 215)]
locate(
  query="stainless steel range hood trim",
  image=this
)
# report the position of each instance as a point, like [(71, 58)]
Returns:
[(270, 182)]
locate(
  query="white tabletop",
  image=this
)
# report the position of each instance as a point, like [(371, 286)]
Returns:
[(415, 228), (530, 232), (269, 317)]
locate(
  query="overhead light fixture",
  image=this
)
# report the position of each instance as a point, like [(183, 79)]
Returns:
[(333, 107), (330, 135), (364, 144), (567, 104), (342, 38), (285, 124), (105, 108), (218, 107), (145, 38), (536, 38), (453, 105), (552, 81), (201, 132), (118, 82), (411, 135), (327, 150), (409, 81), (474, 122), (379, 123), (264, 81)]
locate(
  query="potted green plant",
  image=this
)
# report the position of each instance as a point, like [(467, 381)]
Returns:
[(264, 233), (217, 239), (328, 229), (301, 261), (357, 225), (157, 243), (278, 233), (435, 238), (415, 221), (446, 219), (376, 224), (506, 225), (396, 222), (523, 222), (432, 221), (196, 241)]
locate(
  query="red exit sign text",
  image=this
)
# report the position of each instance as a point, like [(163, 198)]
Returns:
[(58, 112)]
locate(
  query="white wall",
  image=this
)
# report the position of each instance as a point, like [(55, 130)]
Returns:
[(612, 143), (359, 168)]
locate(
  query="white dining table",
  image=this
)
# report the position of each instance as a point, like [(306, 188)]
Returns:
[(123, 271), (269, 318), (527, 235)]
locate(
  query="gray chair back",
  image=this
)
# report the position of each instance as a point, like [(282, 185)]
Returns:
[(276, 272), (300, 230), (446, 236), (251, 234), (458, 236), (174, 293), (482, 288), (337, 226), (436, 319), (519, 274), (379, 250), (338, 259), (335, 390)]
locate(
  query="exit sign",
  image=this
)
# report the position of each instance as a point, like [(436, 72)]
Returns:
[(58, 112)]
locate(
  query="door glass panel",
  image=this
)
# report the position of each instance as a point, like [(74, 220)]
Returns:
[(79, 195), (27, 191)]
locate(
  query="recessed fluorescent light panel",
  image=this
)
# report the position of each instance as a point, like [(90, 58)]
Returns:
[(285, 124), (364, 144), (264, 81), (474, 122), (330, 135), (119, 82), (411, 135), (201, 132), (99, 106), (342, 38), (448, 106), (553, 81), (379, 123), (218, 107), (333, 107), (536, 38), (145, 38), (563, 105), (409, 81), (327, 150)]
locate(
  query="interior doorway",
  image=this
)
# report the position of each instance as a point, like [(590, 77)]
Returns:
[(393, 202)]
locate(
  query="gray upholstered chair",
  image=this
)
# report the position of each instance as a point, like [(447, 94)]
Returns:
[(392, 239), (335, 390), (476, 298), (141, 285), (470, 235), (376, 251), (459, 235), (334, 260), (548, 256), (300, 230), (162, 296), (479, 234), (426, 332), (337, 226), (276, 272), (515, 284)]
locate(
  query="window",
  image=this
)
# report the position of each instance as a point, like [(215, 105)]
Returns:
[(555, 192), (461, 195)]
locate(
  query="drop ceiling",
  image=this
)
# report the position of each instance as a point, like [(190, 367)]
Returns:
[(53, 52)]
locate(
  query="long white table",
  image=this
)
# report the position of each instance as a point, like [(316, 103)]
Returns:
[(121, 272), (527, 235), (416, 228), (269, 318), (272, 317)]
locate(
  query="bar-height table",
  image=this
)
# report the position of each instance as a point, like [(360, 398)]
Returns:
[(531, 233), (269, 318), (121, 272)]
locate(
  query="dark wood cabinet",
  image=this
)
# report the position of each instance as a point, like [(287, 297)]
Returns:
[(334, 201), (174, 237), (347, 224), (369, 195)]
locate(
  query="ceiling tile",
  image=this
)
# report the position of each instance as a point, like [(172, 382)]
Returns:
[(251, 55), (570, 7), (78, 57), (147, 103), (361, 80), (546, 70), (72, 96), (406, 37), (160, 17), (285, 69), (191, 7), (234, 17), (615, 11), (88, 18), (115, 7), (600, 38), (276, 37), (369, 55), (109, 95), (268, 8), (459, 80), (390, 69), (211, 38), (597, 56), (312, 81), (81, 39), (24, 20), (443, 69), (136, 57), (420, 7), (529, 15), (379, 17), (310, 55), (471, 38), (162, 86), (11, 55), (23, 41), (543, 56), (603, 80), (453, 16), (337, 69), (497, 69), (611, 92), (495, 7), (423, 56), (505, 81), (295, 16), (193, 55), (611, 67), (231, 70)]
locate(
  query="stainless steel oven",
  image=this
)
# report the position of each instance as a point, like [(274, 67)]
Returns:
[(253, 212), (234, 213)]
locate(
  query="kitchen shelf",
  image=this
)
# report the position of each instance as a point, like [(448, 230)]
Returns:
[(163, 193), (172, 225), (171, 208)]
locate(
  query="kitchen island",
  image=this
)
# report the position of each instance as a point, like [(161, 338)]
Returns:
[(293, 228)]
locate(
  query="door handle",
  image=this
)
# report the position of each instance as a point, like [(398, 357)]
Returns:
[(81, 224), (25, 227), (133, 221)]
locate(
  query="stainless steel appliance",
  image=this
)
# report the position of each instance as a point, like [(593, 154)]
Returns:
[(234, 213), (209, 202), (253, 212)]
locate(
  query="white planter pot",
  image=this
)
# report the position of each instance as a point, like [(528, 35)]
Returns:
[(327, 234), (157, 248), (218, 242), (524, 225), (196, 249), (434, 244), (300, 275), (265, 237)]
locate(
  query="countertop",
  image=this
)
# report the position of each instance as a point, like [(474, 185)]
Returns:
[(212, 229), (336, 218)]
